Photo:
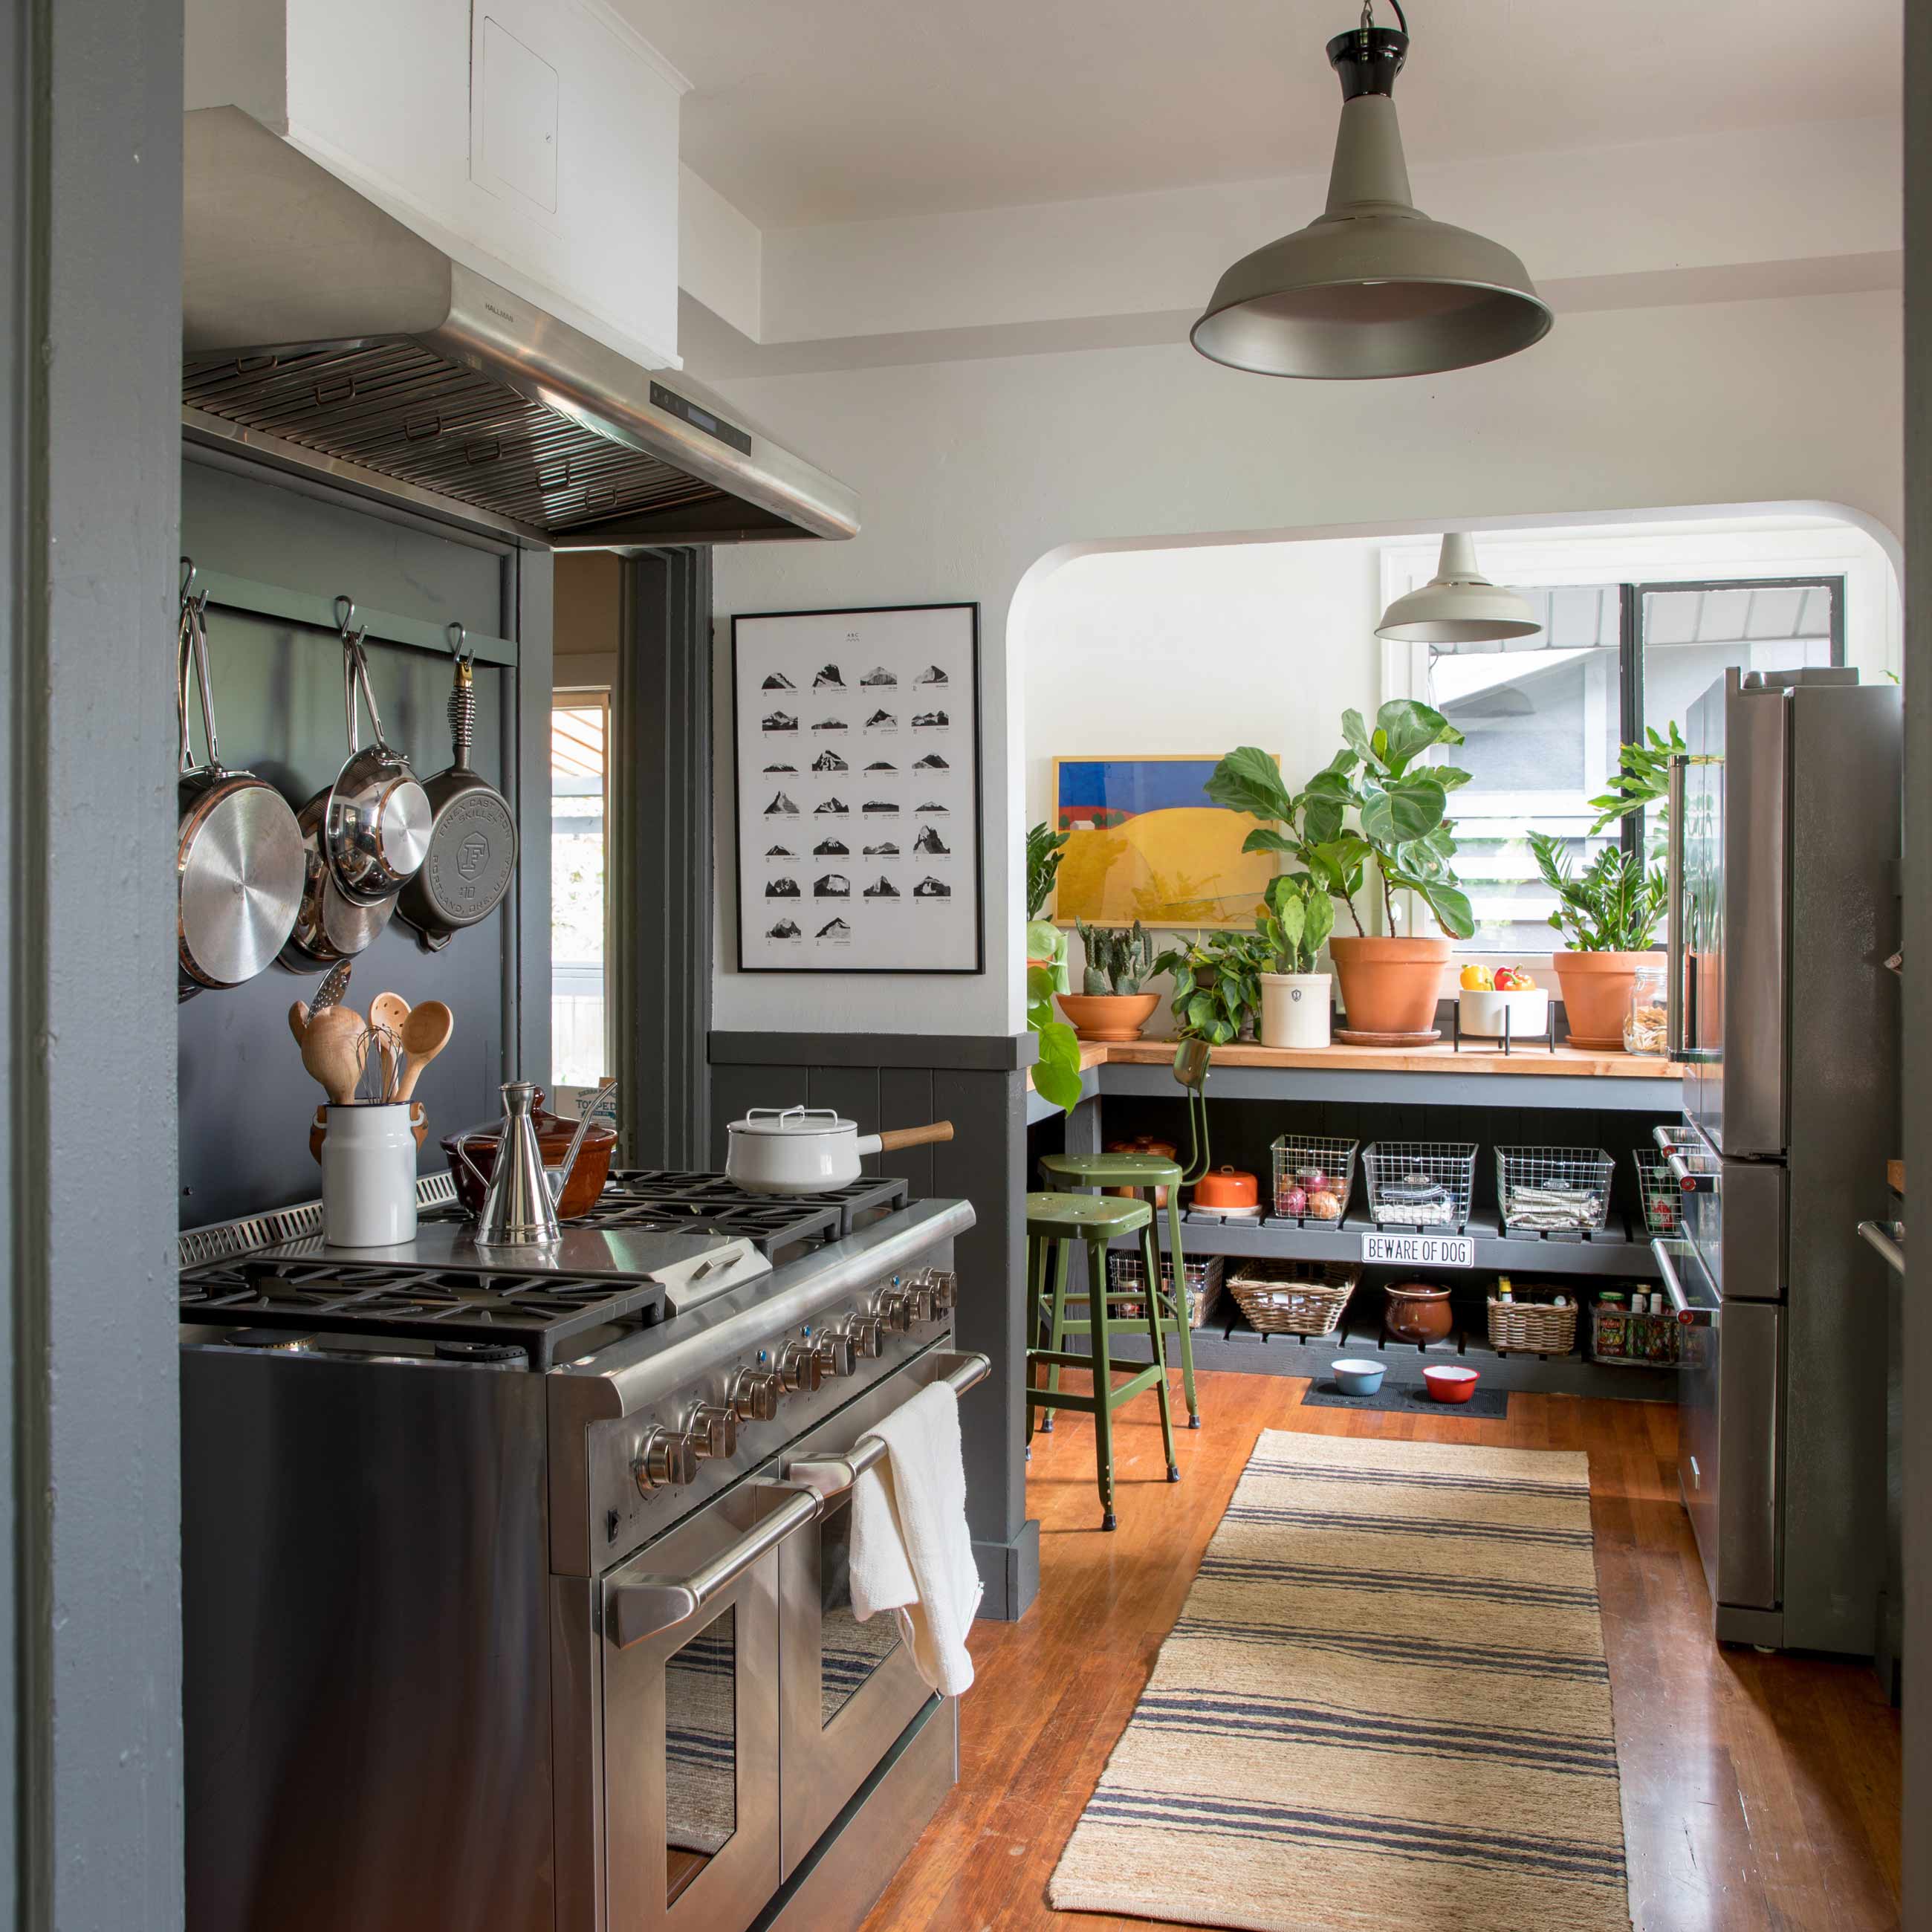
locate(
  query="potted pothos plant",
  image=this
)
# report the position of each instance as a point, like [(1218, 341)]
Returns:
[(1609, 912), (1296, 918), (1217, 991), (1112, 1003), (1376, 807)]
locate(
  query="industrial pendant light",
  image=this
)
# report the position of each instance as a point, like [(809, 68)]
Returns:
[(1459, 605), (1372, 286)]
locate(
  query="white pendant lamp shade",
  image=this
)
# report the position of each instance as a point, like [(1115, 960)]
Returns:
[(1372, 287), (1459, 605)]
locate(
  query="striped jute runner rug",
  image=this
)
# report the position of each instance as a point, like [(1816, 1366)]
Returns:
[(1385, 1705)]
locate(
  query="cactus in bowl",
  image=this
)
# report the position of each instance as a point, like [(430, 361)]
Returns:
[(1113, 1004)]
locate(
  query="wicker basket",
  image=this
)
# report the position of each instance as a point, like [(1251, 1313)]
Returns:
[(1531, 1327), (1203, 1288), (1293, 1297)]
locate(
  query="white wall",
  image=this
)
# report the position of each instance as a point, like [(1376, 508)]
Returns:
[(971, 473)]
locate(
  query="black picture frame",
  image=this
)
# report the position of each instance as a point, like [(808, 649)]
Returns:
[(744, 872)]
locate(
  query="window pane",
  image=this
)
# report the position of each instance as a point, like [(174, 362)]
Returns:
[(1541, 720), (578, 769), (1692, 636)]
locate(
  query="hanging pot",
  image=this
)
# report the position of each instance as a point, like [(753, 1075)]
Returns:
[(376, 827), (471, 851), (238, 858), (328, 928)]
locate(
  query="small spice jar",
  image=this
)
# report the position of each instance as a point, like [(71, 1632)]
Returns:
[(1645, 1023)]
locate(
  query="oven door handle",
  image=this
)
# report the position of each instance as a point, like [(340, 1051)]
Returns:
[(650, 1605), (829, 1476)]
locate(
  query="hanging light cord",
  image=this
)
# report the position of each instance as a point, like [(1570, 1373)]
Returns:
[(1368, 15)]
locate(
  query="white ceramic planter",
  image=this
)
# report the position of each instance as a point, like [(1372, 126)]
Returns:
[(369, 1177), (1484, 1012), (1296, 1009)]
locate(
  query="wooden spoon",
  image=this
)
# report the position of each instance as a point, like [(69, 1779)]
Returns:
[(388, 1013), (425, 1034), (298, 1021), (335, 1050)]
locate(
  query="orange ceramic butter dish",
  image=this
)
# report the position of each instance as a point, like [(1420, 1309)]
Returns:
[(1228, 1187)]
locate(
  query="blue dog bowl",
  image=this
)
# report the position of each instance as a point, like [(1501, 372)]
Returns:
[(1357, 1378)]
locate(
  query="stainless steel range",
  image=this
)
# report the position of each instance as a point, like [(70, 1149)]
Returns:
[(516, 1598)]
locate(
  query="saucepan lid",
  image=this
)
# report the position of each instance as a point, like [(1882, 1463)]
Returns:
[(793, 1123)]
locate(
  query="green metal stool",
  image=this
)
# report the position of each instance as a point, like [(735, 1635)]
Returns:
[(1055, 1223), (1148, 1172)]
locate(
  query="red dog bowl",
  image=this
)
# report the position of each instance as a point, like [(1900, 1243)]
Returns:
[(1450, 1384)]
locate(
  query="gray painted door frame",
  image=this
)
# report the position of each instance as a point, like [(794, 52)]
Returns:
[(92, 210), (1917, 1800)]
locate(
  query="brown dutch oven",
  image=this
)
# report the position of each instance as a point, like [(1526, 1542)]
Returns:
[(554, 1135), (1417, 1312), (1142, 1144)]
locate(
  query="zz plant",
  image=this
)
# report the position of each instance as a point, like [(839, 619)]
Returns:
[(1376, 803), (1613, 905)]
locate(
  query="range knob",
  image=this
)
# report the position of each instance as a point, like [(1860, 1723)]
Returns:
[(664, 1460), (756, 1394), (866, 1333), (713, 1431), (799, 1364), (834, 1351), (894, 1308), (943, 1285)]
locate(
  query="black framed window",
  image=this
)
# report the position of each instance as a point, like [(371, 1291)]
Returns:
[(1542, 717)]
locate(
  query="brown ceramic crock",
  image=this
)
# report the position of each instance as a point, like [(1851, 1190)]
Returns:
[(1417, 1312), (553, 1137)]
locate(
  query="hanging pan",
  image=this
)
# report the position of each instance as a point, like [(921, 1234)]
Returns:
[(472, 838), (377, 826), (238, 860)]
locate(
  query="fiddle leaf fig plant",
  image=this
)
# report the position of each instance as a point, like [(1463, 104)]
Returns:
[(1398, 803), (1613, 905)]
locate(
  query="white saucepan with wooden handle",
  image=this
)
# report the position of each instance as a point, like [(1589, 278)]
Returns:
[(810, 1150)]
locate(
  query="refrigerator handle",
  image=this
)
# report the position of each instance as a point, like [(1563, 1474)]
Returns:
[(1674, 1036), (1690, 1314)]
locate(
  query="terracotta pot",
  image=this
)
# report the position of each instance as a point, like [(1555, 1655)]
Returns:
[(1108, 1015), (1596, 988), (554, 1134), (1417, 1312), (1389, 986)]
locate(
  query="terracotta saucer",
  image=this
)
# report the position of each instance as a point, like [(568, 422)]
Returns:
[(1590, 1043), (1347, 1038)]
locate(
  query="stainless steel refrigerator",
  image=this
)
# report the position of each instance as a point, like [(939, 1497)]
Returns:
[(1784, 846)]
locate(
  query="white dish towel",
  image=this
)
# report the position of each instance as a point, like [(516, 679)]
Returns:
[(912, 1553)]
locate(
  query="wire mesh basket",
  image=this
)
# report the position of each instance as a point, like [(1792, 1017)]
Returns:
[(1553, 1191), (1313, 1175), (1663, 1198), (1621, 1337), (1293, 1297), (1203, 1288), (1421, 1184)]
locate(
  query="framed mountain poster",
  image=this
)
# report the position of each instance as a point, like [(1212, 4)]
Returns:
[(856, 735)]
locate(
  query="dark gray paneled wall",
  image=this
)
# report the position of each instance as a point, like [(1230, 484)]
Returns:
[(1918, 984), (904, 1081), (245, 1101), (92, 212)]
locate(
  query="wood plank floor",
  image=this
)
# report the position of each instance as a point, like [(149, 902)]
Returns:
[(1758, 1791)]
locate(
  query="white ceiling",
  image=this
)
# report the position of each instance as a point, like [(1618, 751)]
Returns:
[(809, 111)]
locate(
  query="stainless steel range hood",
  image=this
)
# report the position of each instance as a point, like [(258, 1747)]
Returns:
[(320, 332)]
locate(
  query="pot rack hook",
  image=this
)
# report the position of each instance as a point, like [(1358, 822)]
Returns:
[(345, 620), (191, 604), (457, 636)]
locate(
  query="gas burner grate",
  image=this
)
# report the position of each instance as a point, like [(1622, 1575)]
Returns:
[(716, 1201), (538, 1312)]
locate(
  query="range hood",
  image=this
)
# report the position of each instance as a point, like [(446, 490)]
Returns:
[(321, 333)]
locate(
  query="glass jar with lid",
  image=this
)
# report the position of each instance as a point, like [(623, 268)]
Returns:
[(1645, 1023)]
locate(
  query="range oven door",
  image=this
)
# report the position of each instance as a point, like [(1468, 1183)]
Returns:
[(847, 1689), (691, 1717)]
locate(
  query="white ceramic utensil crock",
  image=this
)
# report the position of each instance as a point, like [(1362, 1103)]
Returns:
[(369, 1177), (810, 1150), (1295, 1009)]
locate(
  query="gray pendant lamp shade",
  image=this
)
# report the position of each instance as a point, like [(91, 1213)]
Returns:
[(1372, 286), (1459, 605)]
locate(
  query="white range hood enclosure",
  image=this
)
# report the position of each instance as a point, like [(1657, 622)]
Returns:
[(534, 142), (325, 334)]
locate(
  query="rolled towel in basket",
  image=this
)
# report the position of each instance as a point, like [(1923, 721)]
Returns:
[(1561, 1207)]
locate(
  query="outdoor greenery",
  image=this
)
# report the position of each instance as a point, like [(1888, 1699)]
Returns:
[(1043, 855), (1117, 961), (1296, 918), (1375, 803), (1613, 905)]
